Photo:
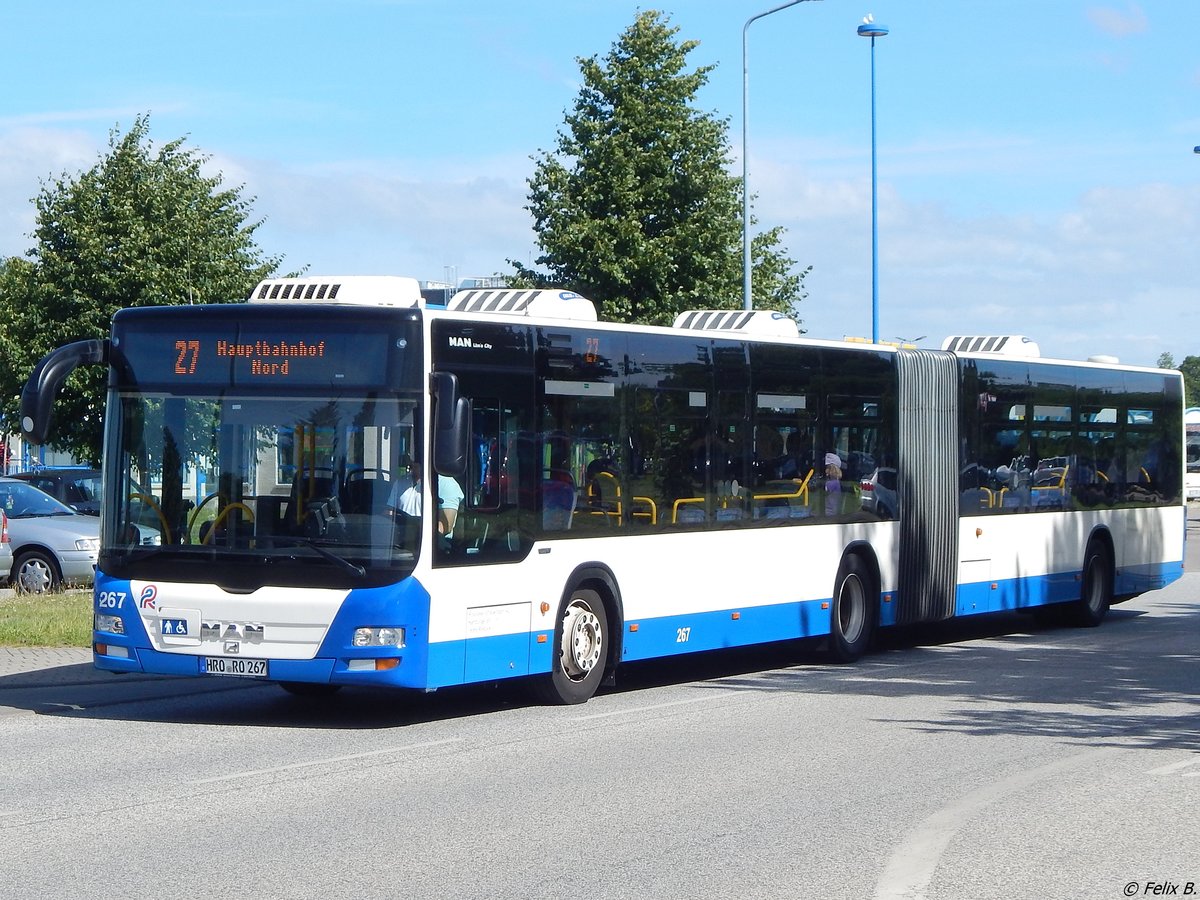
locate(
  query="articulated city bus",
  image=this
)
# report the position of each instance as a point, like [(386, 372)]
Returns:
[(597, 493)]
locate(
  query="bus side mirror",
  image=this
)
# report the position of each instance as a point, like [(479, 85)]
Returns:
[(451, 418), (37, 397)]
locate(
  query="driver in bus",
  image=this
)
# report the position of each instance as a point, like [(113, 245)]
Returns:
[(408, 501)]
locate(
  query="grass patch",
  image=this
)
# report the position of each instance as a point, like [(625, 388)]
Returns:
[(46, 620)]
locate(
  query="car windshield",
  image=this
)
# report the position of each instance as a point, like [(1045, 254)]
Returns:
[(83, 488), (23, 501)]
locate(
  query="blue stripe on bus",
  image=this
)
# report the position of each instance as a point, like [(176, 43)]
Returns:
[(695, 632), (1023, 593), (445, 663), (491, 658)]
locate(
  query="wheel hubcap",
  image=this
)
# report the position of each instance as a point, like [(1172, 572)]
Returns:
[(583, 640), (34, 578)]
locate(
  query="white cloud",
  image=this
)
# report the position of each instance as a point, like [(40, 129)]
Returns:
[(28, 157), (1119, 23), (385, 218), (1110, 273)]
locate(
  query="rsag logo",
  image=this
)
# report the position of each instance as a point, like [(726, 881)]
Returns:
[(149, 594)]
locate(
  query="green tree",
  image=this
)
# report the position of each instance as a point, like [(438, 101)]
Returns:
[(636, 207), (1190, 367), (144, 226)]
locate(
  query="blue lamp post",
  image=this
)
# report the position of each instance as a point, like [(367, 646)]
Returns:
[(872, 30)]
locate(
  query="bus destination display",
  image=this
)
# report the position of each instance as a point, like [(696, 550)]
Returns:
[(317, 357)]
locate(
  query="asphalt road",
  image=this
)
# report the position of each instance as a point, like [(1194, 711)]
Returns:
[(995, 758)]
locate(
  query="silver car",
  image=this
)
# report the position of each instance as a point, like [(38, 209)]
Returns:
[(51, 543), (5, 549)]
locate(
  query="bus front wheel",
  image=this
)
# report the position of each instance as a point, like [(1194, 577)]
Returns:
[(580, 650), (852, 616)]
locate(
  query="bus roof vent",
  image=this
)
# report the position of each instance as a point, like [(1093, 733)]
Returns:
[(746, 321), (351, 290), (1002, 344), (551, 304)]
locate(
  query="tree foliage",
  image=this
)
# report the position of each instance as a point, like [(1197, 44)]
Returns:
[(636, 207), (144, 226), (1190, 367)]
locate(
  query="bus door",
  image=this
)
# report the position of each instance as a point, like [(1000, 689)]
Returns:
[(495, 371)]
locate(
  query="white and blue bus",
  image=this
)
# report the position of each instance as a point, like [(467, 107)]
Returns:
[(603, 493)]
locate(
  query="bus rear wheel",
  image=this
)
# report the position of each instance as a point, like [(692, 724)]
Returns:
[(852, 617), (1096, 588), (580, 650)]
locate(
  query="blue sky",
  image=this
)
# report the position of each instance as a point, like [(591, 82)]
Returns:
[(1036, 173)]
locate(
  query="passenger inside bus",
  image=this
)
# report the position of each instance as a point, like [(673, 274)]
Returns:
[(833, 484)]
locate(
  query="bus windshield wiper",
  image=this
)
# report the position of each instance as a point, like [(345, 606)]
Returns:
[(353, 568)]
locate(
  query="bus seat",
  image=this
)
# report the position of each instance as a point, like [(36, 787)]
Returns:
[(366, 496), (558, 505), (972, 500)]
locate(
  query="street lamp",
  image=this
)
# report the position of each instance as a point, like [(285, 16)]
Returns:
[(747, 301), (871, 30)]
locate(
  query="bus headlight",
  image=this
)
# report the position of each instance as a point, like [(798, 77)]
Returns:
[(378, 637), (111, 624)]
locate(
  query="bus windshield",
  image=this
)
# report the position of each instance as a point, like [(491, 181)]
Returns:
[(302, 481), (248, 482)]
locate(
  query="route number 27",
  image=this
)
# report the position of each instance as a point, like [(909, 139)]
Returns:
[(185, 362)]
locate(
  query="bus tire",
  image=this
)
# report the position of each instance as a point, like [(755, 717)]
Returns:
[(580, 650), (1096, 587), (852, 613)]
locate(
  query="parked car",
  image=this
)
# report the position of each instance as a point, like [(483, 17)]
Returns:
[(5, 549), (51, 543), (879, 493), (78, 488)]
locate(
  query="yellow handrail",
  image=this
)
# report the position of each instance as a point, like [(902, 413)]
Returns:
[(801, 490), (681, 502), (653, 509)]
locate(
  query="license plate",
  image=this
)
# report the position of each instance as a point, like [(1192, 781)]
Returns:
[(242, 668)]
